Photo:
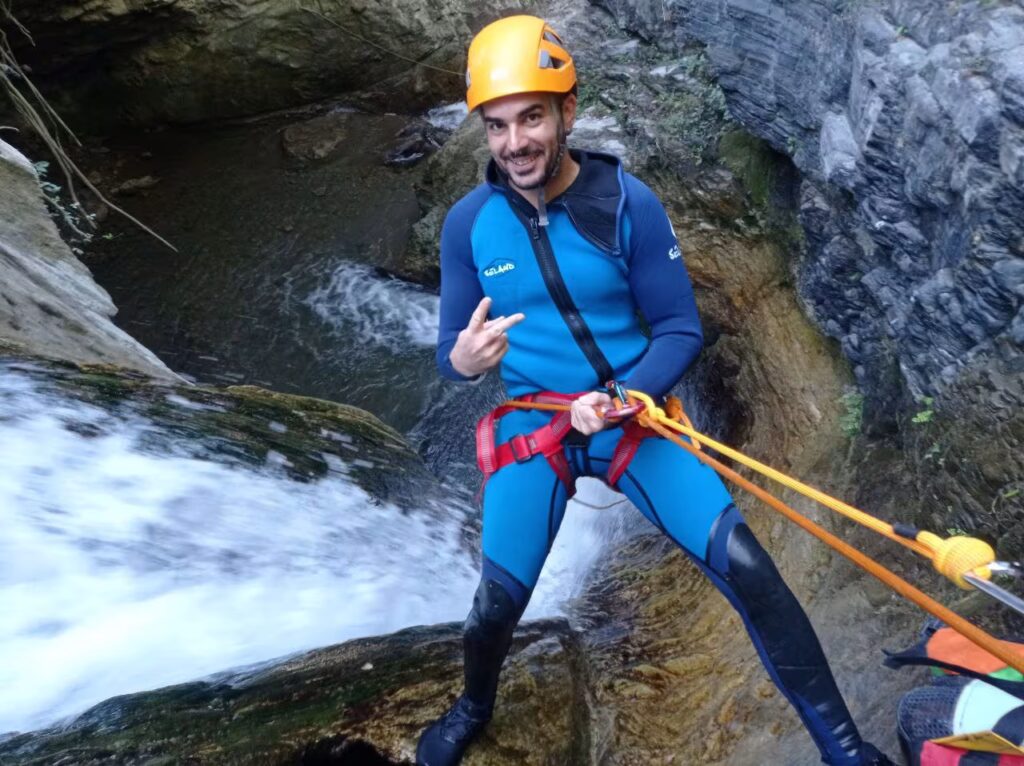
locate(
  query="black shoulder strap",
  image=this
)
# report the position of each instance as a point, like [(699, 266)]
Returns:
[(914, 656)]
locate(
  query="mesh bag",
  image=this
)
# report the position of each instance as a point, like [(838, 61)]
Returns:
[(927, 713)]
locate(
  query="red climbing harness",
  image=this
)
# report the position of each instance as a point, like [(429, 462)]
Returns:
[(632, 434), (546, 440)]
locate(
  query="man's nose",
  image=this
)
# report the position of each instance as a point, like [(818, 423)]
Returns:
[(516, 138)]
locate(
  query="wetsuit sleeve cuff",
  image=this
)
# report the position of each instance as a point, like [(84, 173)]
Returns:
[(449, 371)]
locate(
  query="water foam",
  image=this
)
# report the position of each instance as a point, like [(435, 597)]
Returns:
[(448, 116), (372, 309), (123, 569)]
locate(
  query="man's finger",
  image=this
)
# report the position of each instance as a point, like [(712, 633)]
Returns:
[(490, 322), (501, 324), (480, 313)]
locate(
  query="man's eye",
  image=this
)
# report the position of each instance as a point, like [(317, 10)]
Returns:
[(494, 127), (533, 119)]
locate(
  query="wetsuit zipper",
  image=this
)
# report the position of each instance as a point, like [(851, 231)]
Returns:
[(560, 295)]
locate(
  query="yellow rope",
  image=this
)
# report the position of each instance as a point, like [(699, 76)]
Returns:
[(655, 413), (953, 557)]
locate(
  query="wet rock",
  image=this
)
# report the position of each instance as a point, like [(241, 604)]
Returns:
[(447, 175), (415, 143), (49, 304), (318, 138), (362, 702)]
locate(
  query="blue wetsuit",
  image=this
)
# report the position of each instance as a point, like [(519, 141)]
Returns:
[(607, 256)]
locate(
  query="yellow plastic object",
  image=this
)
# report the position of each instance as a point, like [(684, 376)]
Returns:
[(982, 741), (956, 556), (518, 54), (959, 558)]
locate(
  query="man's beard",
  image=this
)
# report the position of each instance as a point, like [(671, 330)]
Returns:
[(551, 167), (550, 170)]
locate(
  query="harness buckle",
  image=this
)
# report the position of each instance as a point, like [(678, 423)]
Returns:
[(521, 448)]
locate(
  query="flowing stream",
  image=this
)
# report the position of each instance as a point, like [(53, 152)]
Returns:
[(130, 559), (128, 567)]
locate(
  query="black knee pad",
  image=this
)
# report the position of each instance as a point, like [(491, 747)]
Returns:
[(752, 572), (487, 636), (494, 610), (782, 632), (735, 555), (769, 603)]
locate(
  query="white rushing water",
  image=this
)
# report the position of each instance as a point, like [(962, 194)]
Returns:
[(374, 310), (123, 570), (448, 116)]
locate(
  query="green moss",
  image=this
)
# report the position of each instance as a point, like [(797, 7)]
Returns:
[(764, 175), (353, 419), (850, 422), (752, 161)]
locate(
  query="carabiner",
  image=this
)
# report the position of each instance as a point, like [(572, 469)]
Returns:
[(616, 390)]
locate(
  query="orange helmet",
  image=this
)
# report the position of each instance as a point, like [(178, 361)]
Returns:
[(518, 54)]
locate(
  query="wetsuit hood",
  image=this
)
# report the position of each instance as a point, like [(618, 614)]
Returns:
[(594, 200)]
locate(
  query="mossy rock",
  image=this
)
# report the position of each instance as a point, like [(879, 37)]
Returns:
[(247, 426), (361, 702)]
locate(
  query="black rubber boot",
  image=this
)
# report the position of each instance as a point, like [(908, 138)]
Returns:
[(486, 639), (444, 741)]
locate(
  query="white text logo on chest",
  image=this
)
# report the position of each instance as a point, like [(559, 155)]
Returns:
[(497, 268)]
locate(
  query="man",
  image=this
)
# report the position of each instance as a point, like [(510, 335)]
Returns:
[(544, 269)]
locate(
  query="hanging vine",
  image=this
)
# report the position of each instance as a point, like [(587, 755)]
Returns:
[(51, 129)]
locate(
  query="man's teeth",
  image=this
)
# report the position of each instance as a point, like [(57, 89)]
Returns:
[(523, 160)]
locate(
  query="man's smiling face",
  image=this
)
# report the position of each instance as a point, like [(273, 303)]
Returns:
[(525, 133)]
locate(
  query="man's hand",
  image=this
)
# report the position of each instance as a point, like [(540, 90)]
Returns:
[(483, 343), (587, 412)]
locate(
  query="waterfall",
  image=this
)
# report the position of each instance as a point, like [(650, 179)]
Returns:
[(127, 566)]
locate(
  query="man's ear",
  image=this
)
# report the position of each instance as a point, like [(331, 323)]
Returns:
[(569, 112)]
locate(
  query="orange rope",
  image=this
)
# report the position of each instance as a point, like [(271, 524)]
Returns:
[(894, 581), (862, 518), (655, 419)]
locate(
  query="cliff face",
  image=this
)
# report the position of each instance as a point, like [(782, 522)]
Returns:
[(113, 61), (906, 121), (49, 303)]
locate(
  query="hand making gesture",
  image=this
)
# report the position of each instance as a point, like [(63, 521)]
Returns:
[(483, 343)]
